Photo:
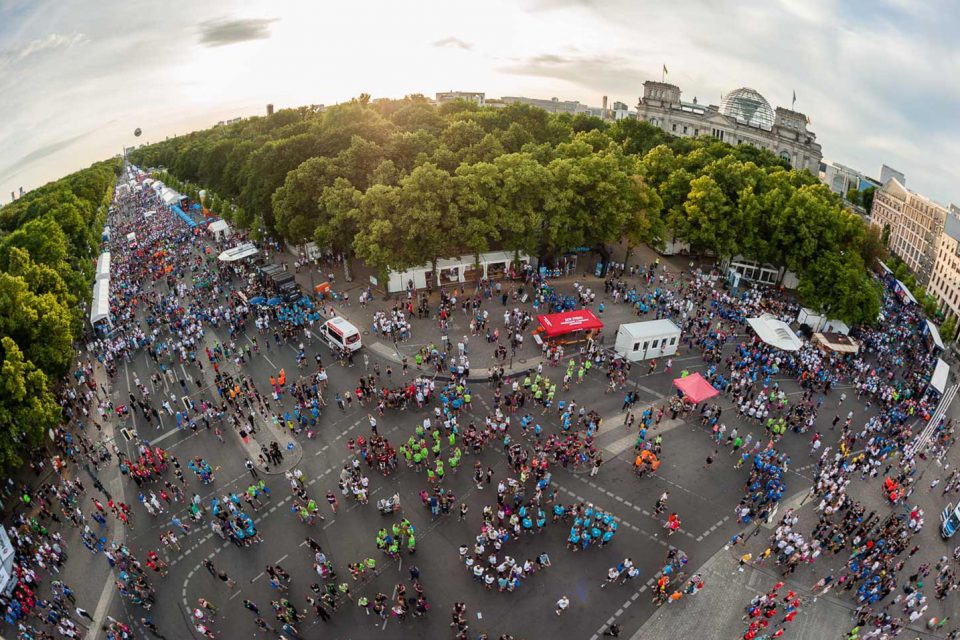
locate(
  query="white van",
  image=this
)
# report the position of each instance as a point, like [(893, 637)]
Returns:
[(340, 334)]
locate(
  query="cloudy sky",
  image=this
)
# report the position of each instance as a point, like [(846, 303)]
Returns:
[(878, 78)]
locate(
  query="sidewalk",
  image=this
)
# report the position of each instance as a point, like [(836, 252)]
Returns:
[(425, 331), (716, 611)]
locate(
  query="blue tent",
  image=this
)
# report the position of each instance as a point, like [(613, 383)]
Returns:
[(274, 301), (257, 301), (183, 216)]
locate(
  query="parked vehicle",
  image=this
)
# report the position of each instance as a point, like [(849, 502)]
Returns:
[(949, 521), (340, 335)]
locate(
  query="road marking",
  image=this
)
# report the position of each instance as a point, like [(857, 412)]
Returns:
[(166, 435), (621, 444)]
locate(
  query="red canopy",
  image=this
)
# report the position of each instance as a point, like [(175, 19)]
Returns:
[(559, 324), (695, 387)]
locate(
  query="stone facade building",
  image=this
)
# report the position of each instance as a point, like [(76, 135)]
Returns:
[(945, 281), (913, 224), (743, 117)]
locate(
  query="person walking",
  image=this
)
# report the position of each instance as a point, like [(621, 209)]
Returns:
[(332, 501), (562, 604), (251, 468), (596, 465)]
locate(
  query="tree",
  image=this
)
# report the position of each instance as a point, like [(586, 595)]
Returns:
[(948, 330), (27, 408), (644, 224), (429, 219), (866, 198), (838, 286), (296, 215), (338, 207), (705, 223), (854, 196), (40, 325)]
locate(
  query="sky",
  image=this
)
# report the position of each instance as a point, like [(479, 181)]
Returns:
[(878, 78)]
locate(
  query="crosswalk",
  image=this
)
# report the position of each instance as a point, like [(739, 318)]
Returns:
[(615, 437)]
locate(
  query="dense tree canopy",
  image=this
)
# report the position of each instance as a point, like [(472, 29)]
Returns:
[(48, 243), (401, 182)]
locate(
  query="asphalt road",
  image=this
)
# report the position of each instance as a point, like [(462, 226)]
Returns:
[(704, 498)]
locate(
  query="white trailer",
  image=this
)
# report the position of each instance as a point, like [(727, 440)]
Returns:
[(811, 318), (646, 340)]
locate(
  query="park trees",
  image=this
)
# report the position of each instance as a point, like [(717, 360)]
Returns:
[(837, 284), (402, 182), (27, 407), (45, 267)]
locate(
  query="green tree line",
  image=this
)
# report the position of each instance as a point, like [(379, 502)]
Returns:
[(49, 240), (398, 183)]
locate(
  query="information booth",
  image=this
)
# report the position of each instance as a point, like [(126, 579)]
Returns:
[(567, 327)]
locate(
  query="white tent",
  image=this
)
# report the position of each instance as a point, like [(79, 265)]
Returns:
[(934, 335), (220, 229), (398, 280), (103, 266), (148, 214), (940, 376), (100, 305), (905, 292), (239, 252), (169, 196), (775, 332), (836, 326), (646, 340), (450, 270), (497, 263)]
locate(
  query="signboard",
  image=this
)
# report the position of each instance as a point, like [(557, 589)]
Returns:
[(373, 281)]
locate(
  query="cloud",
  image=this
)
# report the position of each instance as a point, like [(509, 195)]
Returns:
[(451, 41), (218, 33), (42, 152), (598, 71), (47, 43)]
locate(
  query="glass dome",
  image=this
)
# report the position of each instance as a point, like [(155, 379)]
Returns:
[(749, 107)]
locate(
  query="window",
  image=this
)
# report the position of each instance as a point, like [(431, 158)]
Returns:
[(673, 340), (636, 346), (674, 128), (645, 345), (684, 129), (655, 343), (696, 132)]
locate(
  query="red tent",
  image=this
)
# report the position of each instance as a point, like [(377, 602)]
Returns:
[(559, 324), (695, 388)]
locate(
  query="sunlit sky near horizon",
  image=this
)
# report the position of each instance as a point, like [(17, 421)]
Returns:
[(877, 78)]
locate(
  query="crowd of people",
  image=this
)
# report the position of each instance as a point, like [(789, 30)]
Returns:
[(168, 292)]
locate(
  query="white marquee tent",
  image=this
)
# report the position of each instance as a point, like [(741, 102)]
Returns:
[(100, 305), (775, 332), (941, 375), (220, 229), (103, 266), (239, 252)]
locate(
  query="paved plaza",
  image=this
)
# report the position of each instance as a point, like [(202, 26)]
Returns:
[(703, 494)]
